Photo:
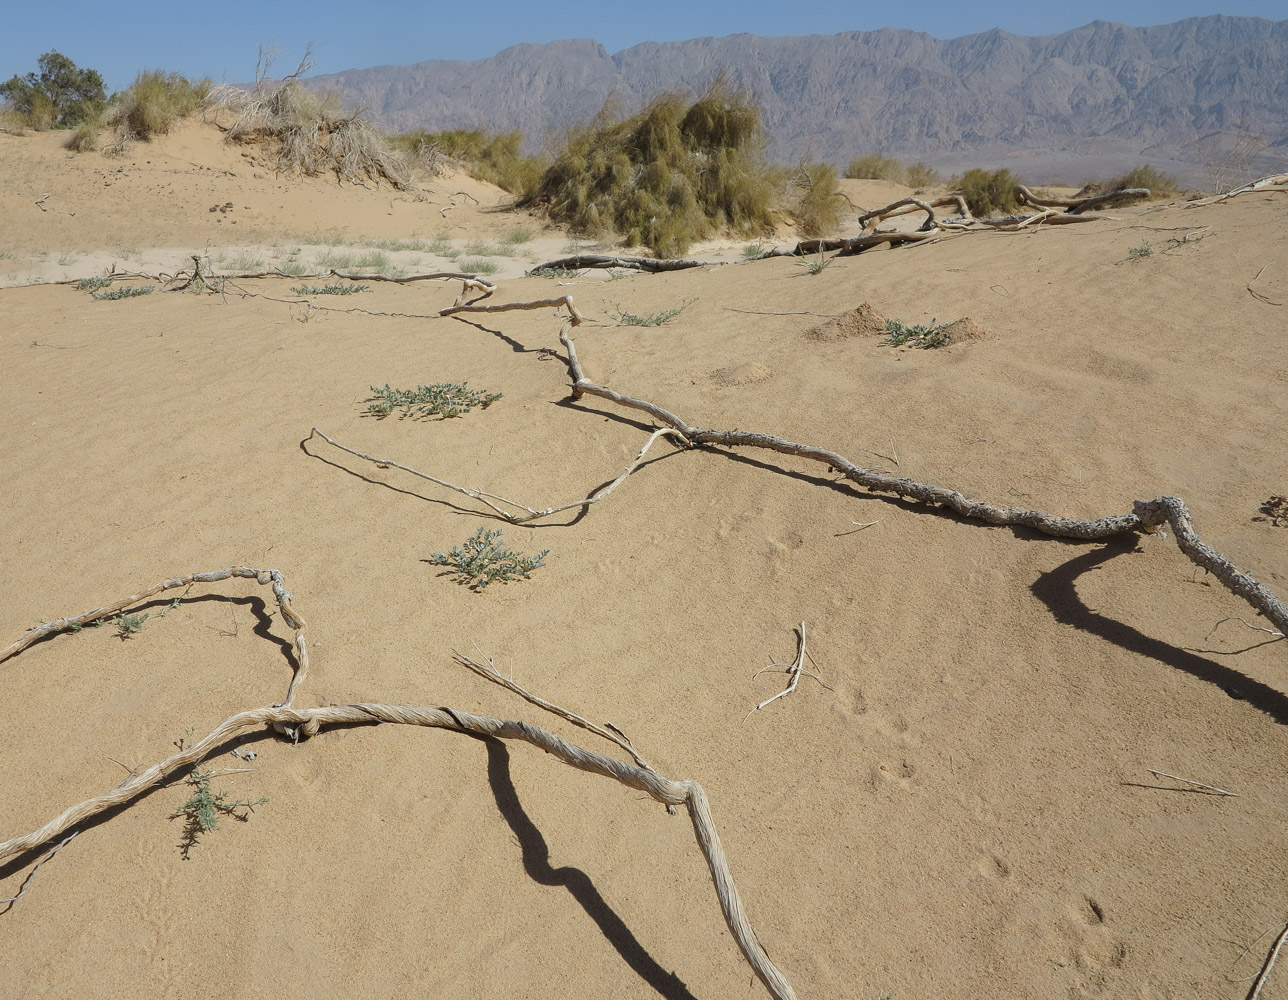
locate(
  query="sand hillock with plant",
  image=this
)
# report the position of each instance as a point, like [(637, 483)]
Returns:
[(1003, 768)]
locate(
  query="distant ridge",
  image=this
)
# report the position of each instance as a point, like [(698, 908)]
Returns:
[(1100, 91)]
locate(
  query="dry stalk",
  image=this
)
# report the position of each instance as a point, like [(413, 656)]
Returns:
[(261, 576), (1275, 182), (308, 722), (1196, 784), (1266, 969), (793, 671), (905, 205), (529, 513)]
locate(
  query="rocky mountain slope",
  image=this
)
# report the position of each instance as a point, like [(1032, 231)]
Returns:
[(1103, 88)]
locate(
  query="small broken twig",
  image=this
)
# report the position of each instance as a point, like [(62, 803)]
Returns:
[(1196, 784), (793, 670), (1257, 295), (1270, 964)]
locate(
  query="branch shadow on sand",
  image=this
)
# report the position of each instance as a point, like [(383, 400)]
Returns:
[(1058, 590), (536, 862)]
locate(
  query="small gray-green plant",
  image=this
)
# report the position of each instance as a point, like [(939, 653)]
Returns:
[(124, 292), (752, 250), (443, 399), (626, 318), (489, 250), (482, 559), (518, 235), (1142, 251), (816, 264), (477, 265), (901, 334), (92, 284), (553, 272), (332, 289), (202, 811), (129, 625)]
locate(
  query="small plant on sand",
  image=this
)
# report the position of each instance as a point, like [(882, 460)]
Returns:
[(515, 236), (901, 334), (482, 559), (92, 284), (818, 205), (443, 399), (124, 292), (334, 288), (553, 272), (129, 625), (625, 318), (753, 250), (202, 811), (477, 265), (1142, 251), (816, 264)]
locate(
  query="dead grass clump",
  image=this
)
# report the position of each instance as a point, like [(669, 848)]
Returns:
[(13, 122), (152, 106), (670, 175), (987, 193), (494, 157), (312, 134), (817, 210), (1160, 185)]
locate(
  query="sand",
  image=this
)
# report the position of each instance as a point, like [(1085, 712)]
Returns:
[(961, 809)]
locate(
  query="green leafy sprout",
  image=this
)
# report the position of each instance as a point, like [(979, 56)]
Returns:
[(482, 559), (443, 399), (625, 318), (124, 292), (1142, 251), (817, 264), (331, 289), (203, 810), (901, 334)]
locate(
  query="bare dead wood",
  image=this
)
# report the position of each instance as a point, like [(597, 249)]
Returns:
[(1274, 182), (793, 671), (308, 722), (913, 204), (651, 264), (261, 576), (1076, 206), (1258, 295), (1264, 975)]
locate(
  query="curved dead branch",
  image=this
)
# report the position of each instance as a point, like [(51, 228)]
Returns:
[(905, 205), (1078, 205), (651, 264), (1274, 182)]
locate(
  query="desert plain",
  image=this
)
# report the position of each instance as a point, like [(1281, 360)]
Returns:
[(960, 804)]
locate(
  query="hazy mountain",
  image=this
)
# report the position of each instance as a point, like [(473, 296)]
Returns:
[(1101, 89)]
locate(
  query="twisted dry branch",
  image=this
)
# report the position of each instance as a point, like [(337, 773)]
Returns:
[(595, 260), (307, 722), (261, 576)]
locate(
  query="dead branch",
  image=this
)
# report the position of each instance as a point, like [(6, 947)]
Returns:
[(1197, 784), (905, 205), (261, 576), (307, 722), (1078, 205), (530, 513), (1272, 183), (651, 264), (1258, 295), (1266, 969), (793, 671)]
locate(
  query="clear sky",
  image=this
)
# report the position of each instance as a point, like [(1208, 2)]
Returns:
[(220, 40)]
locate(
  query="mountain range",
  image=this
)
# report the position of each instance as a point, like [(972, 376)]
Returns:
[(1176, 94)]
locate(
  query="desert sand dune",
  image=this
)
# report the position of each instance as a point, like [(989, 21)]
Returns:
[(963, 808)]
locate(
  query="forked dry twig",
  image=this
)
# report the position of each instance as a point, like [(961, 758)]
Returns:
[(1266, 969), (793, 670)]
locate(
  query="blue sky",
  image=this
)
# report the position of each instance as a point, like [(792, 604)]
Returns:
[(221, 40)]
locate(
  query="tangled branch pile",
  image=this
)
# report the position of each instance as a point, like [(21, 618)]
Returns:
[(312, 133), (672, 174)]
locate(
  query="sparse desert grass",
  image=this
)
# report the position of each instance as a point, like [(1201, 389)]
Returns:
[(477, 265), (520, 235), (242, 261), (668, 176), (878, 166), (66, 260), (490, 250), (987, 193), (443, 399), (331, 289), (371, 260), (626, 318), (482, 559), (152, 106), (123, 292), (816, 265), (1160, 185), (925, 335)]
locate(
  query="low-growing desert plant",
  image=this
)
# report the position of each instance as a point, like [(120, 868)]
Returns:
[(553, 272), (129, 625), (816, 265), (202, 811), (519, 235), (987, 193), (123, 292), (482, 559), (626, 318), (901, 334), (1142, 251), (666, 177), (92, 284), (332, 289), (477, 265), (443, 399)]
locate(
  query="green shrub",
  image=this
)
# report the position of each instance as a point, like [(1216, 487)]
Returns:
[(626, 318), (817, 210), (496, 158), (987, 193), (899, 334), (335, 288), (201, 812), (875, 166), (1160, 185), (670, 175), (443, 399), (61, 95), (920, 175), (124, 292), (154, 103)]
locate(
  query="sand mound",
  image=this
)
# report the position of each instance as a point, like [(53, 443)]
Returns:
[(748, 373), (862, 321), (964, 330)]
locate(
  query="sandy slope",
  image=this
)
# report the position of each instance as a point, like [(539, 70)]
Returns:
[(963, 811)]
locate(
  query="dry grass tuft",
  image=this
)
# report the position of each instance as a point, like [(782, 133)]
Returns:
[(496, 158), (153, 105)]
